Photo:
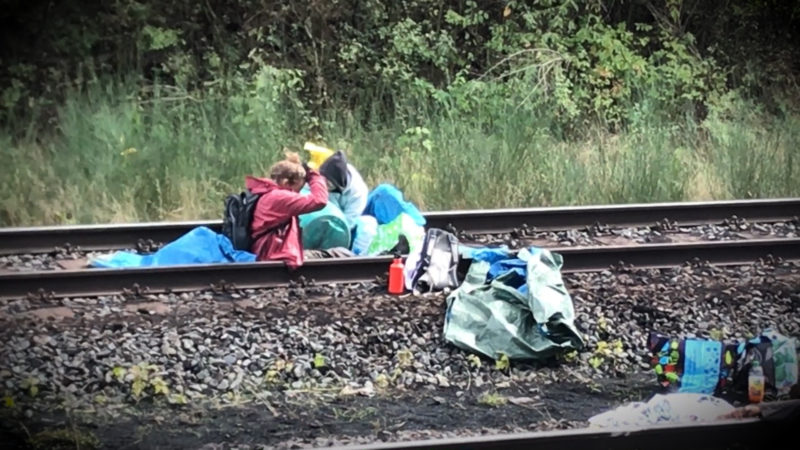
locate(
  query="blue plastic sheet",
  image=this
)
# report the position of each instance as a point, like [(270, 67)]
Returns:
[(386, 202), (199, 246), (516, 265), (488, 254), (506, 265)]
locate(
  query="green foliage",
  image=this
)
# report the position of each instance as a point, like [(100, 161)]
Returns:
[(405, 358), (30, 385), (383, 381), (143, 379), (502, 363), (585, 59), (177, 399), (155, 110), (752, 173), (159, 38), (605, 351), (492, 399), (167, 159), (159, 386), (353, 414), (715, 334), (118, 372), (278, 371)]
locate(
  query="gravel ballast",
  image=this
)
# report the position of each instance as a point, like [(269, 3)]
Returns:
[(317, 365)]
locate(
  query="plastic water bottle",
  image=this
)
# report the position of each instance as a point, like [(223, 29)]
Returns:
[(396, 277), (755, 383)]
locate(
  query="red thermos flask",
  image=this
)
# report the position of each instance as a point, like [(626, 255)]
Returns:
[(396, 278)]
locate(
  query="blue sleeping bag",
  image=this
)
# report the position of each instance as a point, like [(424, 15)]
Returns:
[(386, 202), (199, 246)]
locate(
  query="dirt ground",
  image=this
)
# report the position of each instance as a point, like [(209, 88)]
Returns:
[(307, 417)]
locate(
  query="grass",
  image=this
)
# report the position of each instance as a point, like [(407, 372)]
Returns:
[(64, 438), (492, 399), (118, 152), (353, 414)]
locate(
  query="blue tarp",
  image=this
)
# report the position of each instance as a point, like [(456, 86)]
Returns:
[(516, 265), (199, 246), (488, 254), (501, 262), (386, 202)]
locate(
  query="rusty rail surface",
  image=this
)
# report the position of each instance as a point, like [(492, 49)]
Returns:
[(119, 236)]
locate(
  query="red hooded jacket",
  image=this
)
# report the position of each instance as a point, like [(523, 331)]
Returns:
[(276, 231)]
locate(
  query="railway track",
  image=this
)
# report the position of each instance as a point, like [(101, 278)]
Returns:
[(92, 282), (144, 327), (119, 236)]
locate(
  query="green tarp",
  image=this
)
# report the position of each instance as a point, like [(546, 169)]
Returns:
[(324, 229), (494, 318)]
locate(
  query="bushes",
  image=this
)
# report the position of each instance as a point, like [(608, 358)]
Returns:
[(587, 58), (145, 110)]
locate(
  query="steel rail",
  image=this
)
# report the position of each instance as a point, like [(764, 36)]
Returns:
[(92, 282), (740, 434), (16, 240)]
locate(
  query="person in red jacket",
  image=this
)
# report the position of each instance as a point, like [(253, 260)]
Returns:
[(275, 229)]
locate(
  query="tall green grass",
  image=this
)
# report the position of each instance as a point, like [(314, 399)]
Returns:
[(752, 155), (117, 152)]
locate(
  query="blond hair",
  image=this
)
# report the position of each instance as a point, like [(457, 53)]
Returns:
[(290, 169)]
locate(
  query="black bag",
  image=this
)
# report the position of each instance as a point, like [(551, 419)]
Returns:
[(761, 352), (238, 218), (438, 262)]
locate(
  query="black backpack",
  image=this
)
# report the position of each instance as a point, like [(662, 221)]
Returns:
[(238, 219)]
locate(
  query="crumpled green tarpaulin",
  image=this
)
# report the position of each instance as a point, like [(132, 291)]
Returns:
[(494, 318)]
